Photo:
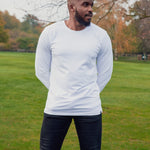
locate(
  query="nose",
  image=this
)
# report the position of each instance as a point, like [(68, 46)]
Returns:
[(90, 9)]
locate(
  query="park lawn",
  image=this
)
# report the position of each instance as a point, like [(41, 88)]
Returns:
[(125, 101)]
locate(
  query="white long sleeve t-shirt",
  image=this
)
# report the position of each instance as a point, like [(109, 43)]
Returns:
[(75, 66)]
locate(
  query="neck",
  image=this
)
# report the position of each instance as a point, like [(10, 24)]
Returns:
[(74, 25)]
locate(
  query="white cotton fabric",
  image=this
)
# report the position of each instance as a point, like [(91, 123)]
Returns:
[(75, 66)]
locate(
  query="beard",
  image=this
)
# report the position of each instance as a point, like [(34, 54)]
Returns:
[(81, 20)]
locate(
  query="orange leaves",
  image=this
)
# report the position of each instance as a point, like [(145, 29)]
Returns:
[(3, 32), (123, 37)]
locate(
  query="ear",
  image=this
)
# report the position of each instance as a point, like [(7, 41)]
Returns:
[(71, 8)]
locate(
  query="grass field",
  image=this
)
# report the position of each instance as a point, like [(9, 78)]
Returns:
[(125, 101)]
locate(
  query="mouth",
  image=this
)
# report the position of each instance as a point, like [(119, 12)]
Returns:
[(89, 16)]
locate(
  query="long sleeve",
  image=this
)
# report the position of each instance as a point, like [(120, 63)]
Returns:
[(104, 63), (43, 59)]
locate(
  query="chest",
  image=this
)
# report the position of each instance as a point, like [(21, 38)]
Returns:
[(73, 46)]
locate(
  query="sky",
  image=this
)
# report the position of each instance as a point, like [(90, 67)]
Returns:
[(18, 7), (10, 6)]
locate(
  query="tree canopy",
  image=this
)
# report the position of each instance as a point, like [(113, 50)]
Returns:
[(3, 32), (19, 35), (140, 17)]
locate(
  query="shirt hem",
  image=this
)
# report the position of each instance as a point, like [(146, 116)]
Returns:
[(73, 114)]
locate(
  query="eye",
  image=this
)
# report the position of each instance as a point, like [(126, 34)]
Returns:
[(85, 4)]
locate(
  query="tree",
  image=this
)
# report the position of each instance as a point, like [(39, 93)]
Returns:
[(31, 24), (11, 21), (110, 15), (140, 16), (3, 33), (28, 43), (103, 8)]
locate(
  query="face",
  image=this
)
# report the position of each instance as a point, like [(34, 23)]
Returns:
[(83, 12)]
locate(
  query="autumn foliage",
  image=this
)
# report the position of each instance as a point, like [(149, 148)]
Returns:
[(129, 30), (15, 35), (3, 32), (140, 17), (110, 15)]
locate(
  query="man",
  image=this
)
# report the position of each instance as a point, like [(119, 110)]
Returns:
[(74, 61)]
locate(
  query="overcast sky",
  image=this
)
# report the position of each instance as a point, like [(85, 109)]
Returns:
[(10, 6), (14, 7)]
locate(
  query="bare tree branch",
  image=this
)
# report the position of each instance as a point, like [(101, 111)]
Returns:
[(139, 12), (109, 10), (51, 9)]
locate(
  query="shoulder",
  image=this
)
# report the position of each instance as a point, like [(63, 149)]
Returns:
[(99, 32), (50, 31), (53, 26), (102, 36), (98, 29)]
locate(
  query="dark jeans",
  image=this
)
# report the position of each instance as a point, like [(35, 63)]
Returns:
[(54, 129)]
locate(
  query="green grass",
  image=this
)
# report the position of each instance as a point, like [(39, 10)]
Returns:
[(125, 101)]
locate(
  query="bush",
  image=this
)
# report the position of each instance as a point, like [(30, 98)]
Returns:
[(27, 43)]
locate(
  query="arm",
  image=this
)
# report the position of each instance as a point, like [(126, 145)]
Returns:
[(43, 59), (104, 63)]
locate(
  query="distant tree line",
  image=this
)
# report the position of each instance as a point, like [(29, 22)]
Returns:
[(15, 35), (129, 30)]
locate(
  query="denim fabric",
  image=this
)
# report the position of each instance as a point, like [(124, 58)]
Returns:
[(54, 130)]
